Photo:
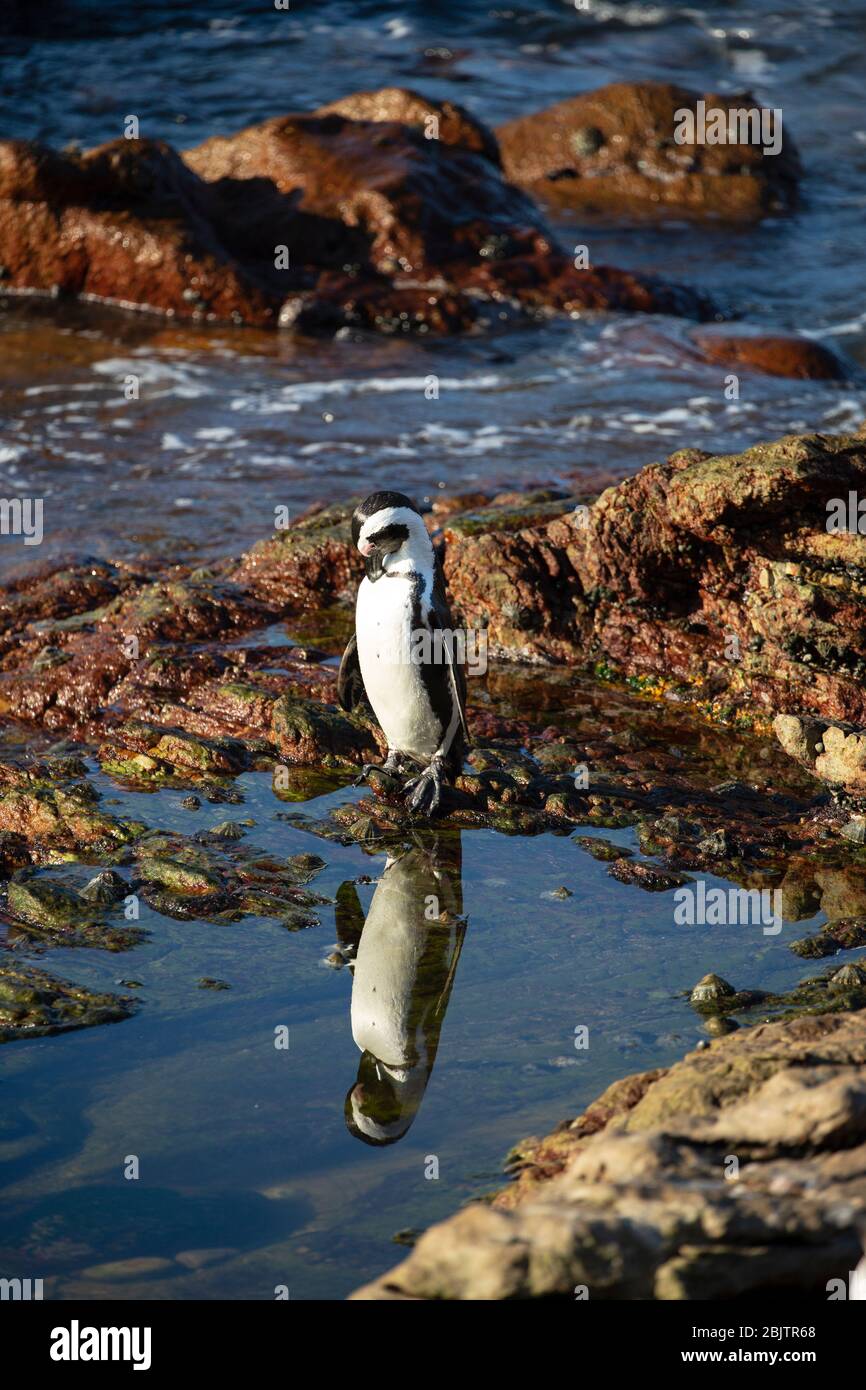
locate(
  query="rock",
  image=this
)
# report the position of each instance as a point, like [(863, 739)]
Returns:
[(129, 223), (345, 216), (710, 990), (716, 845), (670, 568), (636, 1202), (311, 563), (307, 732), (33, 1003), (453, 124), (848, 977), (613, 151), (846, 934), (777, 354), (187, 880), (604, 850), (200, 1259), (855, 830), (651, 877), (106, 887), (14, 853), (835, 753), (227, 830), (43, 902), (306, 866)]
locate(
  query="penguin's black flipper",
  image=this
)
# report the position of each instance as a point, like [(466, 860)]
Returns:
[(350, 682), (440, 617)]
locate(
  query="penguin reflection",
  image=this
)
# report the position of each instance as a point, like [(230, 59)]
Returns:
[(404, 968)]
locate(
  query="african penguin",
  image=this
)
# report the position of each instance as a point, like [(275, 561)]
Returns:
[(402, 658), (404, 970)]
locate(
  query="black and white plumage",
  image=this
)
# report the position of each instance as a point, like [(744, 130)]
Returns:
[(402, 658)]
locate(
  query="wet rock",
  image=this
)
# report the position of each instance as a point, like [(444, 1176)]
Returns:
[(711, 989), (129, 223), (689, 560), (53, 596), (140, 1267), (184, 879), (227, 830), (614, 152), (855, 830), (190, 803), (652, 877), (14, 853), (719, 1025), (309, 733), (105, 888), (604, 850), (848, 977), (33, 1003), (632, 1199), (836, 753), (206, 982), (777, 354), (45, 903), (346, 216), (312, 562), (846, 934), (453, 124)]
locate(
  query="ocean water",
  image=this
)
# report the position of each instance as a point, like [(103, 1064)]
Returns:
[(232, 424)]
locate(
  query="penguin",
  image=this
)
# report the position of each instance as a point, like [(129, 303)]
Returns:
[(401, 658), (406, 961)]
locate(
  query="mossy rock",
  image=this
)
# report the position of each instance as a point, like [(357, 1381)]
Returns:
[(182, 879), (34, 1003), (46, 903)]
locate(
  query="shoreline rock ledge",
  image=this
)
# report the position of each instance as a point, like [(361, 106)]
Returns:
[(347, 216), (740, 1170)]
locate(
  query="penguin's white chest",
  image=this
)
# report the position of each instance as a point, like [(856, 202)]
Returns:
[(393, 681)]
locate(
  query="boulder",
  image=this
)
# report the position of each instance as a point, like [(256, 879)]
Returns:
[(718, 571), (614, 152)]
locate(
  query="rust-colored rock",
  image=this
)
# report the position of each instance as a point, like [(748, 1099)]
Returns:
[(613, 152), (438, 120), (718, 571), (350, 215), (129, 223), (777, 354)]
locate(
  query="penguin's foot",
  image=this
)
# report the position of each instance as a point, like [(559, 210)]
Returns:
[(392, 766), (424, 792)]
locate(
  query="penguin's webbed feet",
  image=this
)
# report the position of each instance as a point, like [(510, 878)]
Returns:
[(391, 765), (424, 792)]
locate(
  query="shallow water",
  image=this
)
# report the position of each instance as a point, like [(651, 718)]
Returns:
[(244, 1148), (241, 1146)]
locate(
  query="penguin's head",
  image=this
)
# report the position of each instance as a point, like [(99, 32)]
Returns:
[(389, 531)]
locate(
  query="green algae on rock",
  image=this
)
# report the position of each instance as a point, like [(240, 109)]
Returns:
[(34, 1003)]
